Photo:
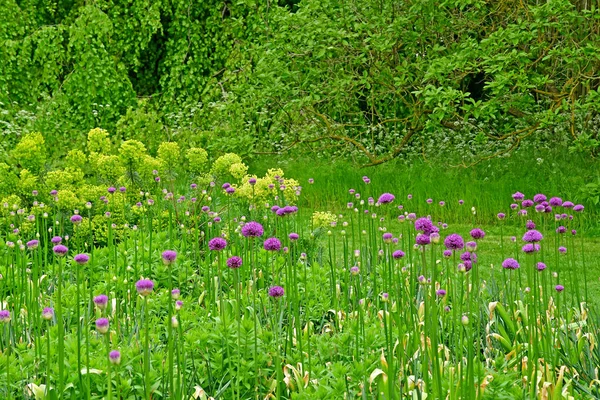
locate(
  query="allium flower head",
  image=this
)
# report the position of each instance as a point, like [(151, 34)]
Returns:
[(272, 244), (217, 244), (477, 233), (555, 202), (398, 254), (447, 253), (276, 291), (114, 357), (234, 262), (56, 240), (538, 198), (252, 229), (578, 208), (102, 325), (568, 204), (531, 248), (386, 198), (169, 257), (144, 287), (60, 250), (422, 239), (562, 250), (424, 225), (33, 244), (540, 266), (559, 288), (48, 313), (4, 316), (354, 270), (76, 219), (530, 225), (468, 256), (440, 293), (527, 203), (518, 196), (387, 237), (294, 236), (561, 229), (532, 236), (454, 242), (510, 263), (471, 246), (81, 259), (501, 216)]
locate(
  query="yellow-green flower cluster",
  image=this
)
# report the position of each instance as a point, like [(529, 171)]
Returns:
[(28, 182), (30, 152), (98, 141), (8, 180), (267, 187), (75, 159), (168, 154), (221, 166), (132, 153), (197, 159), (323, 219)]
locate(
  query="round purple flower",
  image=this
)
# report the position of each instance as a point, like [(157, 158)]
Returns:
[(175, 293), (447, 253), (422, 239), (311, 180), (294, 236), (514, 206), (578, 208), (81, 259), (510, 263), (234, 262), (538, 198), (226, 185), (559, 288), (562, 250), (114, 357), (468, 256), (398, 254), (561, 229), (48, 313), (527, 203), (531, 248), (518, 196), (101, 301), (532, 236), (276, 291), (501, 216), (386, 198), (272, 244), (144, 287), (169, 257), (540, 266), (354, 270), (568, 204), (33, 244), (252, 181), (540, 208), (529, 225), (76, 219), (429, 201), (477, 233), (387, 237), (461, 202), (217, 244), (471, 246), (230, 190), (102, 325), (425, 225), (4, 316), (555, 202), (56, 240), (60, 250), (440, 293), (252, 229), (454, 242), (111, 190)]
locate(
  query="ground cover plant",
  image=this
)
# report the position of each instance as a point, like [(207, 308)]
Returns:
[(127, 276)]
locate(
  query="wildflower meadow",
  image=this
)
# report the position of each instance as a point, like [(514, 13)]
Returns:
[(180, 276)]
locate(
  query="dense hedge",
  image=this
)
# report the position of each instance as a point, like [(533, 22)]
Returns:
[(378, 77)]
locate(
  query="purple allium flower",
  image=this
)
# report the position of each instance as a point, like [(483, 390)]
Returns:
[(234, 262), (518, 196), (538, 198), (252, 181), (111, 190), (354, 270), (387, 237), (561, 229), (510, 263), (102, 325), (562, 249), (429, 201), (532, 236), (366, 179), (81, 259), (230, 190), (442, 203), (578, 208), (401, 218), (447, 253), (178, 305), (573, 232), (193, 186), (540, 266), (56, 240), (4, 316), (76, 219), (217, 244), (398, 254), (422, 239), (205, 209), (425, 225), (114, 357), (311, 180), (34, 193), (411, 216), (122, 189), (477, 233), (175, 293), (294, 236), (501, 215), (386, 198), (169, 257), (527, 203), (144, 287), (454, 242), (468, 256), (559, 288), (272, 244), (555, 202), (60, 250), (440, 293), (540, 208), (531, 248), (226, 185), (53, 192), (276, 291), (471, 246), (529, 225), (252, 229), (48, 313), (33, 244), (514, 206), (461, 202), (522, 212), (101, 301), (568, 204)]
